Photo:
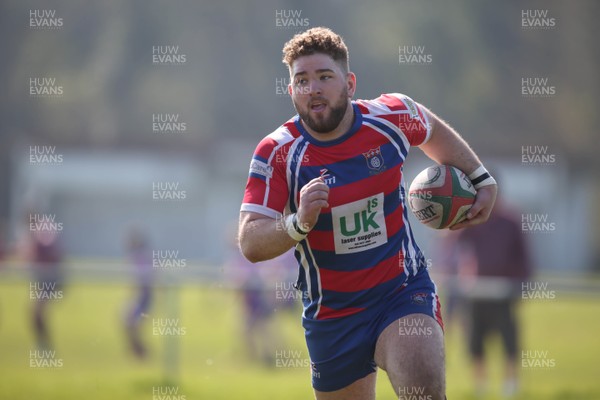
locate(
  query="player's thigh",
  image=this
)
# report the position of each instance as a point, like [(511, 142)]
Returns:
[(361, 389), (411, 351)]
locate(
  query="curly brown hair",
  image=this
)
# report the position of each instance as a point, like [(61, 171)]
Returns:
[(316, 40)]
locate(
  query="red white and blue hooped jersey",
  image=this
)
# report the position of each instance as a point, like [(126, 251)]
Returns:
[(362, 248)]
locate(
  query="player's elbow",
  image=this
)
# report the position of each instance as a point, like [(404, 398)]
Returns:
[(251, 243), (250, 251), (251, 255)]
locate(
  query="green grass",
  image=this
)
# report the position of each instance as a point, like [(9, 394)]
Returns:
[(213, 363)]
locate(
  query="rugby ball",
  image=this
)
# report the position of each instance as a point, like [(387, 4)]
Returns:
[(440, 196)]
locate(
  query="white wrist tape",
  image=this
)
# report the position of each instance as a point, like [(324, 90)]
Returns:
[(291, 225), (481, 177)]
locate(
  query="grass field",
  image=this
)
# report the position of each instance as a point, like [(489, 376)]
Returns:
[(89, 341)]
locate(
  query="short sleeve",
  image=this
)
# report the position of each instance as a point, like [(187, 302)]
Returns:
[(411, 117), (266, 189)]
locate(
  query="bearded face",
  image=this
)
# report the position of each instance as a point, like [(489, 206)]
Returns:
[(320, 92), (320, 114)]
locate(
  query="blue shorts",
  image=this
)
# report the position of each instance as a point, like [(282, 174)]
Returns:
[(342, 350)]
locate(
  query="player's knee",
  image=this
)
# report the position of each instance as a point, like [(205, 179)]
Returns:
[(424, 381), (432, 383), (417, 392), (422, 390)]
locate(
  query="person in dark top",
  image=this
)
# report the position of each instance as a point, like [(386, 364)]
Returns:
[(493, 261)]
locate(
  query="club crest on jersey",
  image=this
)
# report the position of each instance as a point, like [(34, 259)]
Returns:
[(374, 159), (420, 299)]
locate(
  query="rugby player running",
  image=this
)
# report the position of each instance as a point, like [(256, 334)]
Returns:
[(329, 183)]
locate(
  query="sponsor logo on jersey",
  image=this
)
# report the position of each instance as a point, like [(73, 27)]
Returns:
[(315, 373), (411, 106), (261, 168), (359, 225), (327, 177)]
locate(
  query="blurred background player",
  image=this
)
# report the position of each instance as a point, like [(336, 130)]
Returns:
[(3, 246), (259, 287), (492, 260), (141, 260), (3, 251), (42, 252)]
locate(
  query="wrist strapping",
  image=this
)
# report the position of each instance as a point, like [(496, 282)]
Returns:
[(292, 228), (481, 177)]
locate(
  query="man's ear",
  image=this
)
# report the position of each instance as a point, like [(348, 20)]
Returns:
[(351, 82), (290, 90)]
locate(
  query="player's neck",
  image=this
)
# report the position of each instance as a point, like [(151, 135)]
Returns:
[(342, 128)]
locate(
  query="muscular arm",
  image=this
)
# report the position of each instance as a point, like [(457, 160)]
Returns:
[(445, 146), (262, 238)]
